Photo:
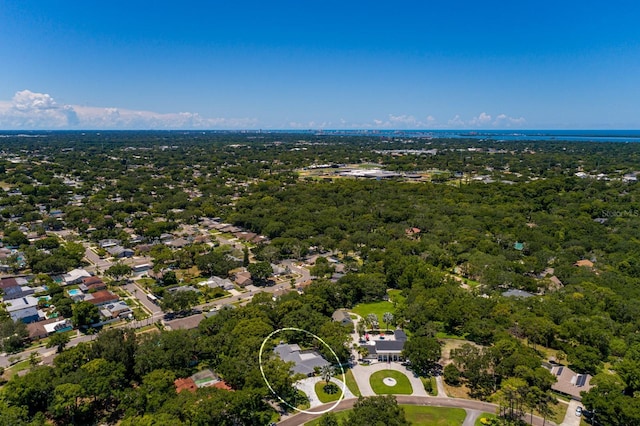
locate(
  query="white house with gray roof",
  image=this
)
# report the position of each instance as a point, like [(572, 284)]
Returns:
[(305, 362)]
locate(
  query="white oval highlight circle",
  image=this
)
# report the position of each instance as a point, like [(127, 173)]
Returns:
[(264, 377)]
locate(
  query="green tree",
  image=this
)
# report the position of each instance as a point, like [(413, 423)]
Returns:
[(179, 300), (85, 314), (59, 341), (328, 419), (377, 411), (118, 271), (260, 271), (423, 352), (322, 268), (451, 375), (66, 405)]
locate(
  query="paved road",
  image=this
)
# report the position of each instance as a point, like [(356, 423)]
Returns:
[(138, 292), (442, 393), (472, 416), (95, 260), (303, 273), (485, 407)]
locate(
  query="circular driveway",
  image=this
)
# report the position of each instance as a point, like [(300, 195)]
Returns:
[(308, 387)]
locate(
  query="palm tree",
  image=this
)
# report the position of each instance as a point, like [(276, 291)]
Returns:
[(361, 328), (327, 373), (387, 317), (372, 320)]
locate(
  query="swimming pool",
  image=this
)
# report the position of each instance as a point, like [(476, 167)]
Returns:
[(74, 292)]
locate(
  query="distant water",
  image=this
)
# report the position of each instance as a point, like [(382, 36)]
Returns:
[(489, 135), (508, 135)]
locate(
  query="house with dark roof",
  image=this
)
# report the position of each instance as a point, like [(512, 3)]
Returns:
[(387, 348), (11, 289), (120, 252), (304, 361)]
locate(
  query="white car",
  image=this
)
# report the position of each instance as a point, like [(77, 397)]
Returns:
[(579, 411)]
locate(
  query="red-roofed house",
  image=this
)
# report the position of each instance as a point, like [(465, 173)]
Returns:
[(101, 297), (185, 384)]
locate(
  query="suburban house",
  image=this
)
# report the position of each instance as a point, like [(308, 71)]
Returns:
[(92, 284), (14, 288), (584, 263), (201, 379), (101, 297), (177, 243), (243, 278), (141, 268), (305, 362), (117, 309), (105, 244), (517, 293), (24, 309), (342, 316), (569, 382), (41, 329), (120, 252), (74, 276), (387, 348), (223, 283)]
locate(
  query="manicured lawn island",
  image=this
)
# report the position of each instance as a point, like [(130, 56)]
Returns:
[(402, 385)]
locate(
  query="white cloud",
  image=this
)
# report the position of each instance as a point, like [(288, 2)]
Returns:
[(29, 110), (503, 120), (309, 125), (456, 122), (403, 122), (482, 120), (486, 121)]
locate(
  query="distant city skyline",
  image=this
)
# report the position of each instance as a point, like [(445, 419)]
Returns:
[(328, 65)]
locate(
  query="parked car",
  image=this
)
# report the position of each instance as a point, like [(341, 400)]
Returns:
[(579, 411)]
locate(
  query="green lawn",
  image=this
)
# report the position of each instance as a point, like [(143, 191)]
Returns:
[(378, 308), (418, 415), (438, 416), (402, 387), (396, 296), (432, 381), (351, 382), (341, 416), (326, 397)]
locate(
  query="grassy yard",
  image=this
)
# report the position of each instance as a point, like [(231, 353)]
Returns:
[(438, 416), (327, 397), (418, 415), (351, 382), (402, 387), (432, 381), (378, 308)]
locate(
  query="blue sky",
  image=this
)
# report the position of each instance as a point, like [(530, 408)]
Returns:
[(319, 64)]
